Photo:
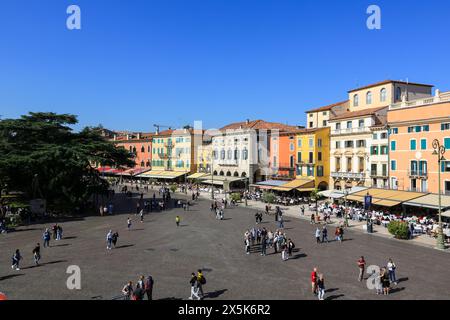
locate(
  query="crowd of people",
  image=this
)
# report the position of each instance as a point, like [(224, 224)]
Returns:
[(259, 239)]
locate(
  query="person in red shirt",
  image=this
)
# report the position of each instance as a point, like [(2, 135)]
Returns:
[(314, 281), (362, 267)]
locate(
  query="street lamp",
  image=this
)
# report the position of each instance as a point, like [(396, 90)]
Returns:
[(346, 209), (439, 151), (213, 154)]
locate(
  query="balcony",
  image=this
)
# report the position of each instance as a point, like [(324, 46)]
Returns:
[(376, 174), (163, 155), (228, 163), (418, 174), (350, 130), (348, 175)]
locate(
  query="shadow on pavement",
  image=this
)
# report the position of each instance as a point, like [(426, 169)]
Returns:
[(124, 246), (334, 297), (215, 294), (11, 276)]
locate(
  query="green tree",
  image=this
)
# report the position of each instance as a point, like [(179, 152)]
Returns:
[(41, 156), (399, 229), (173, 188), (268, 197)]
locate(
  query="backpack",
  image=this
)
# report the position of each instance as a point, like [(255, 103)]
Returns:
[(202, 280)]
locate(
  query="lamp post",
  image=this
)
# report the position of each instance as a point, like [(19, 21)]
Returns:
[(213, 153), (346, 209), (439, 151)]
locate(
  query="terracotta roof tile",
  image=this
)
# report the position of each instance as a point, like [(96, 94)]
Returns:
[(360, 113), (390, 81), (328, 107)]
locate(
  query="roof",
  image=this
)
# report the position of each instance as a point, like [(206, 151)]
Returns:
[(258, 125), (390, 81), (359, 113), (328, 107)]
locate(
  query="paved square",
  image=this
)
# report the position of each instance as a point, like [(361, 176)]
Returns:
[(170, 254)]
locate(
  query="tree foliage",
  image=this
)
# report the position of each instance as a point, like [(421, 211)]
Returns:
[(43, 157)]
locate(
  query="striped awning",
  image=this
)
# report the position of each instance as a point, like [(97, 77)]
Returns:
[(162, 174)]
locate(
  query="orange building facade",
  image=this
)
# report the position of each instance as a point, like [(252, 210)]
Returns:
[(283, 155), (139, 145), (413, 126)]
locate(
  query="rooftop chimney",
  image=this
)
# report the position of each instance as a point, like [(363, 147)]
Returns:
[(247, 121)]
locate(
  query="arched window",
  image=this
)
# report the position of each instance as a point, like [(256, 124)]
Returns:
[(228, 174), (236, 154), (216, 154), (142, 163), (243, 175), (355, 100), (245, 154), (134, 149), (215, 173), (236, 174), (142, 149), (221, 173), (230, 154), (222, 154), (383, 95), (369, 97), (131, 149)]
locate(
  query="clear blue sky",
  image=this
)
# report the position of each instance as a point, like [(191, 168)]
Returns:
[(140, 62)]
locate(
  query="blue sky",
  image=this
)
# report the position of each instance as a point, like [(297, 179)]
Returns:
[(140, 62)]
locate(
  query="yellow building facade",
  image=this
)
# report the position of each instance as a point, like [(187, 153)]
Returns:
[(313, 156)]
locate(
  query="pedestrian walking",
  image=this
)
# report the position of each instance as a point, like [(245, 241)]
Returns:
[(303, 210), (177, 220), (284, 252), (141, 215), (37, 254), (46, 238), (115, 237), (129, 224), (59, 232), (386, 283), (391, 269), (362, 266), (148, 287), (313, 219), (314, 281), (16, 260), (109, 239), (201, 282), (291, 247), (337, 234), (324, 234), (247, 245), (281, 223), (321, 287), (194, 287), (317, 235), (128, 290)]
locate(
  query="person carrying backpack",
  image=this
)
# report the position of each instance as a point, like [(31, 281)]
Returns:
[(16, 260), (201, 282)]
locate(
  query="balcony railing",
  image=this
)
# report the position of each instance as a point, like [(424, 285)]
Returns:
[(418, 173), (351, 130), (378, 174), (348, 175), (438, 97)]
